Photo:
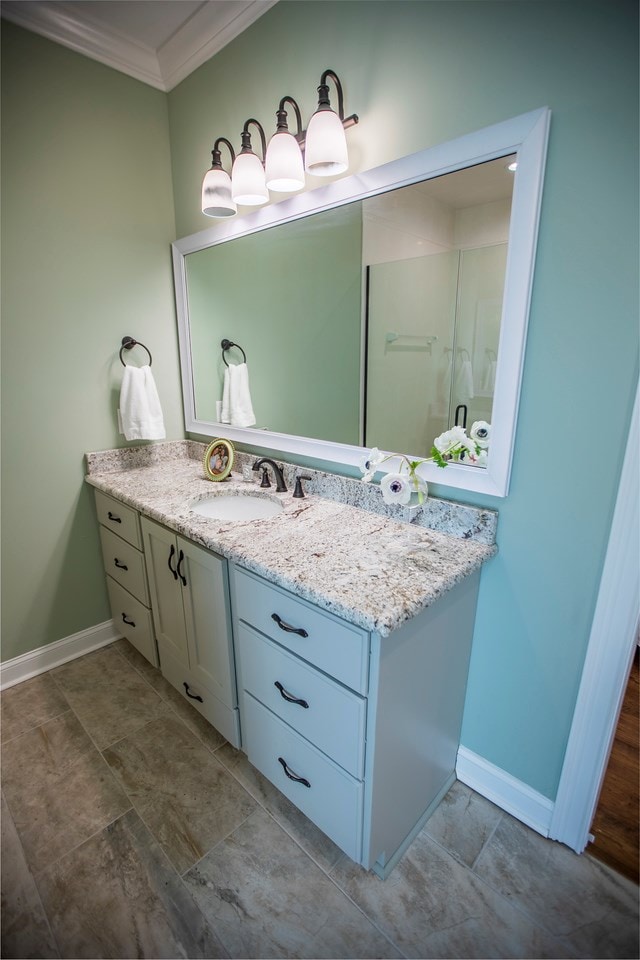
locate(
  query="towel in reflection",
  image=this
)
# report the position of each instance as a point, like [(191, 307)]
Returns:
[(464, 382), (489, 382), (237, 408)]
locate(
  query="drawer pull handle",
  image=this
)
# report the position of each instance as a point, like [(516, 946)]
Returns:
[(193, 696), (113, 517), (292, 776), (120, 566), (129, 623), (181, 575), (288, 697), (287, 626), (171, 553)]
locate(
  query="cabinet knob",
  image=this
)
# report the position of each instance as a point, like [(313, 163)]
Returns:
[(120, 566), (113, 517), (291, 775), (129, 623)]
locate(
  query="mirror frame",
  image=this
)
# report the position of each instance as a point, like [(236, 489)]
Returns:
[(527, 135)]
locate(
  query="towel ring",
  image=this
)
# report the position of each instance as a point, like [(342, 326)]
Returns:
[(226, 345), (128, 343)]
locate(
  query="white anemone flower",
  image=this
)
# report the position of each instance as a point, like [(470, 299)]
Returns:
[(480, 433), (450, 439), (370, 463), (396, 488)]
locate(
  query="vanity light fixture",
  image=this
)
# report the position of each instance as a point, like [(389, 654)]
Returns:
[(282, 168), (216, 186), (248, 185), (325, 152)]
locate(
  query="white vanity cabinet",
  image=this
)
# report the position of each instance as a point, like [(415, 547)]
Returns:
[(124, 564), (360, 731), (189, 590)]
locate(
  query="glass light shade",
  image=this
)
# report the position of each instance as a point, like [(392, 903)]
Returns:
[(325, 153), (216, 194), (284, 167), (247, 181)]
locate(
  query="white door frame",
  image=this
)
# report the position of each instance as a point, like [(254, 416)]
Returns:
[(612, 641)]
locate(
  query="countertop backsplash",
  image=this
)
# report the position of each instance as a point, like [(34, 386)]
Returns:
[(446, 516)]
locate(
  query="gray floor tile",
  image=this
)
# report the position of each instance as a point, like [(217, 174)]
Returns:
[(463, 822), (117, 896), (316, 843), (266, 898), (188, 714), (29, 704), (433, 906), (110, 698), (58, 788), (25, 928), (576, 898), (151, 674), (188, 799)]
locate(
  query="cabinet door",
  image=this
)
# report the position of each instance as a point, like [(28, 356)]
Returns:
[(206, 611), (165, 587)]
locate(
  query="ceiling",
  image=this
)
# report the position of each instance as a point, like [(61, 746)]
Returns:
[(159, 42)]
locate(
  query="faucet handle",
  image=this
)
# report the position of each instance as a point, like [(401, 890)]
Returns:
[(265, 478), (299, 492)]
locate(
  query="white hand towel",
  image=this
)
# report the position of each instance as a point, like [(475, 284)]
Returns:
[(489, 382), (240, 406), (464, 382), (225, 415), (140, 413)]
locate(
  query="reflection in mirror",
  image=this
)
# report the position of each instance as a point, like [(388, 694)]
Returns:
[(435, 255), (421, 267), (378, 309), (291, 296)]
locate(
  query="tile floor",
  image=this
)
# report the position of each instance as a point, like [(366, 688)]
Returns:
[(131, 829)]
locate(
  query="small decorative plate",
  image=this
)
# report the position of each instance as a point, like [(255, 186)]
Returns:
[(218, 459)]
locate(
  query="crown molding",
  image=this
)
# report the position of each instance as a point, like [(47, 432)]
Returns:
[(205, 33), (210, 29)]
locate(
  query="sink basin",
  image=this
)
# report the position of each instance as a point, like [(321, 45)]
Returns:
[(243, 506)]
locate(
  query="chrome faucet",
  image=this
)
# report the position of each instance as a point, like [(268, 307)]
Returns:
[(281, 486)]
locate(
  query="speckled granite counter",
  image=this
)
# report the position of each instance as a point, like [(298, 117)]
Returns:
[(366, 567)]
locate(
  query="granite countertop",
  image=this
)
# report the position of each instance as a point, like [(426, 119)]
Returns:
[(369, 569)]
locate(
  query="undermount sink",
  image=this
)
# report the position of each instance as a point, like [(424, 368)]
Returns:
[(242, 506)]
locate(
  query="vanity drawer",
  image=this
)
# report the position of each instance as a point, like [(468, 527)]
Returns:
[(121, 519), (133, 619), (125, 564), (225, 719), (333, 718), (332, 799), (333, 645)]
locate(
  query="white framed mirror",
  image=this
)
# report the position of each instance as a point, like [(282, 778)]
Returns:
[(291, 286)]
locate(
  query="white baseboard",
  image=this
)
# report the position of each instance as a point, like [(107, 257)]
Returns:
[(61, 651), (508, 793)]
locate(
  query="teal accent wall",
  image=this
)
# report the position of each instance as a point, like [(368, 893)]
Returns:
[(87, 221), (418, 74), (89, 161)]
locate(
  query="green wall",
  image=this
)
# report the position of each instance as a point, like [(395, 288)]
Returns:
[(87, 219), (418, 74), (301, 334), (87, 223)]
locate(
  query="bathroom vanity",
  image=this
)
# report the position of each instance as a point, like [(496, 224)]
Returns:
[(330, 643)]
